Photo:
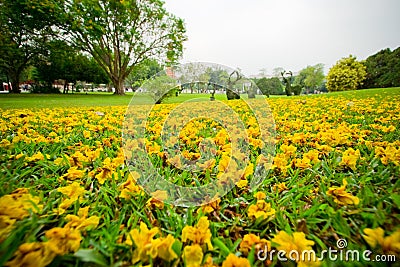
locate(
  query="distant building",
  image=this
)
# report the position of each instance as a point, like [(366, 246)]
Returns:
[(170, 72)]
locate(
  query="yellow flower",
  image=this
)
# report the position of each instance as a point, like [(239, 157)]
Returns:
[(63, 240), (32, 255), (312, 155), (389, 244), (250, 240), (350, 157), (340, 196), (105, 171), (264, 161), (261, 209), (157, 199), (92, 155), (153, 148), (224, 162), (164, 248), (86, 134), (193, 255), (280, 187), (256, 143), (5, 143), (221, 137), (130, 187), (76, 159), (295, 242), (35, 157), (288, 150), (208, 262), (303, 163), (234, 261), (59, 161), (20, 155), (72, 192), (260, 195), (73, 173), (6, 226), (242, 183), (143, 241), (200, 234), (389, 154), (210, 207), (325, 149), (207, 165), (374, 236), (17, 204), (280, 162), (248, 170), (81, 221), (175, 161)]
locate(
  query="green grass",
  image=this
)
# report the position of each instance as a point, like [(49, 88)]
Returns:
[(304, 206), (26, 100)]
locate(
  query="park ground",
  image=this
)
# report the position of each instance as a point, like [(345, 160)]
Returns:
[(27, 100), (68, 199)]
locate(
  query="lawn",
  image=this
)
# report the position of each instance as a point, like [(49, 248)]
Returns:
[(27, 100), (72, 191)]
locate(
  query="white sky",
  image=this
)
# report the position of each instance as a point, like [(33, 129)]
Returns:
[(292, 34)]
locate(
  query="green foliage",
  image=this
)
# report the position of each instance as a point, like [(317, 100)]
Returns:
[(287, 77), (383, 69), (24, 28), (122, 34), (270, 86), (161, 87), (346, 74), (311, 77), (143, 71), (64, 62)]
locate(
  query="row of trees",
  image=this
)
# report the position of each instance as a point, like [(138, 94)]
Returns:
[(119, 36), (308, 80), (377, 71)]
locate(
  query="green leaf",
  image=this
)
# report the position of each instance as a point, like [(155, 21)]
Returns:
[(177, 247), (396, 199), (220, 244), (251, 256), (91, 255)]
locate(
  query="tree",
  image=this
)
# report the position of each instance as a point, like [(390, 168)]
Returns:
[(25, 26), (383, 69), (63, 62), (311, 77), (346, 74), (232, 91), (122, 34), (142, 72), (160, 87), (269, 86)]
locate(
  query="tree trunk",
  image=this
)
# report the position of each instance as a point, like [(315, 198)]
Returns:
[(15, 83), (119, 87)]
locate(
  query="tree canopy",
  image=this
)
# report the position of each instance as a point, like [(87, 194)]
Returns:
[(346, 74), (311, 77), (122, 34), (270, 86), (383, 69), (25, 26)]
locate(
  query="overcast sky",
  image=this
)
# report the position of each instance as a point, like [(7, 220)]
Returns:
[(264, 34)]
